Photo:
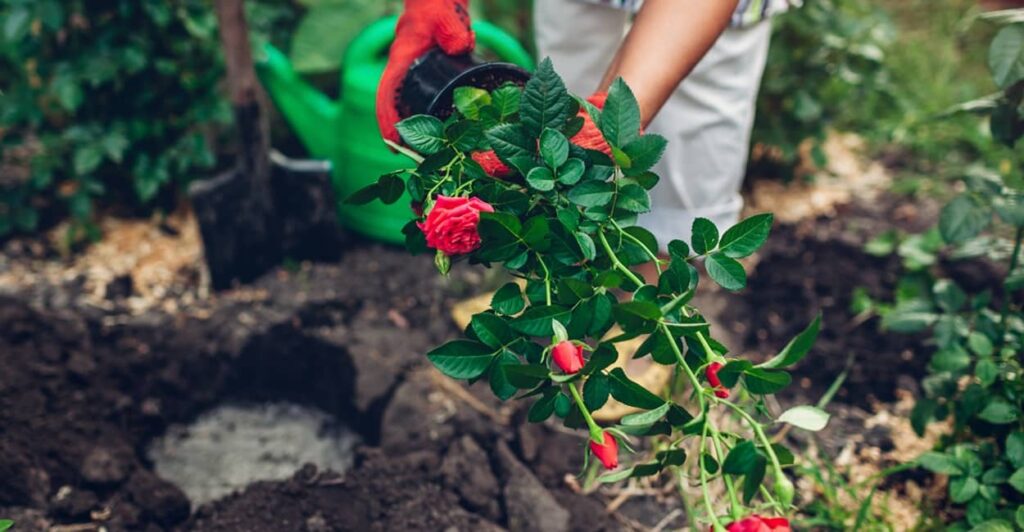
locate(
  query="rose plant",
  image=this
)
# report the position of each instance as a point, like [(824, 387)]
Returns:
[(550, 187)]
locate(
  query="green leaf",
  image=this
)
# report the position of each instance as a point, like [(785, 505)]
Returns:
[(728, 273), (325, 31), (537, 233), (390, 188), (908, 317), (672, 457), (87, 158), (646, 418), (633, 198), (500, 385), (506, 100), (620, 117), (646, 470), (962, 489), (746, 237), (630, 393), (423, 133), (491, 330), (509, 141), (16, 23), (616, 476), (603, 356), (469, 101), (1010, 207), (948, 295), (364, 195), (637, 316), (508, 300), (1017, 480), (526, 376), (1015, 449), (571, 171), (999, 412), (765, 382), (962, 219), (644, 152), (536, 321), (462, 359), (591, 193), (704, 236), (805, 417), (5, 524), (543, 407), (940, 463), (797, 348), (753, 479), (464, 135), (994, 525), (586, 245), (545, 102), (554, 148), (1006, 56), (741, 459), (541, 179), (980, 344), (595, 391)]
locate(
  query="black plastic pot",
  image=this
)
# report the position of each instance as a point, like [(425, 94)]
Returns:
[(431, 82)]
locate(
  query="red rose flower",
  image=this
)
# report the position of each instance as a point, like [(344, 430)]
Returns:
[(491, 164), (568, 356), (712, 374), (450, 226), (756, 523), (608, 452)]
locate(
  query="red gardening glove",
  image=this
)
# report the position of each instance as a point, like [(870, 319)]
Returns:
[(589, 137), (491, 164), (423, 25)]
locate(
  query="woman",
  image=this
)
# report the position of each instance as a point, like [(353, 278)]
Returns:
[(694, 67)]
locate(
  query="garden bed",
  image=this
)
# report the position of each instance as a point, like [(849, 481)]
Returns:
[(87, 388)]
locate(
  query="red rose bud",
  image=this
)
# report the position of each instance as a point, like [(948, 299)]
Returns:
[(491, 164), (568, 356), (608, 452), (450, 226), (756, 523), (712, 375)]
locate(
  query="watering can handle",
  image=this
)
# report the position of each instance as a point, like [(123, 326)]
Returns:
[(377, 37)]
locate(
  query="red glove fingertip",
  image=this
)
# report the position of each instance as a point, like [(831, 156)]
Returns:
[(598, 98)]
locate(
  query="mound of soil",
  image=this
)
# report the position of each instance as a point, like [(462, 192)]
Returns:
[(83, 391)]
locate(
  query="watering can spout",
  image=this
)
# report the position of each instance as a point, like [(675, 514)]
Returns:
[(305, 108)]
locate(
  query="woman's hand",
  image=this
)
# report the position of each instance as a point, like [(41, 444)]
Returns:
[(423, 25)]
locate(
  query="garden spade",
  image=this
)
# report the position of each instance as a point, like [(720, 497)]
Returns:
[(266, 208)]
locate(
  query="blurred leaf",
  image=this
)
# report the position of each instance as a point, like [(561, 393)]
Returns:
[(1006, 55), (326, 30)]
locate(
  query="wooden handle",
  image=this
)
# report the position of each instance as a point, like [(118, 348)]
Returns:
[(234, 36)]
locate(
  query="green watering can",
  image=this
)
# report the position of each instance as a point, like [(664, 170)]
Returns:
[(345, 132)]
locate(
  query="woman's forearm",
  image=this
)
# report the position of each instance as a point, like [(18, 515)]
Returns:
[(668, 39)]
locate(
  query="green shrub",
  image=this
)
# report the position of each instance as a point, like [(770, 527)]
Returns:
[(977, 325), (826, 68), (116, 99)]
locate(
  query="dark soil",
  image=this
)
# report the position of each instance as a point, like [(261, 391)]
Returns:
[(83, 391), (813, 267)]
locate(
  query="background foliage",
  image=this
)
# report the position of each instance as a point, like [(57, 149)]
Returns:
[(108, 99)]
